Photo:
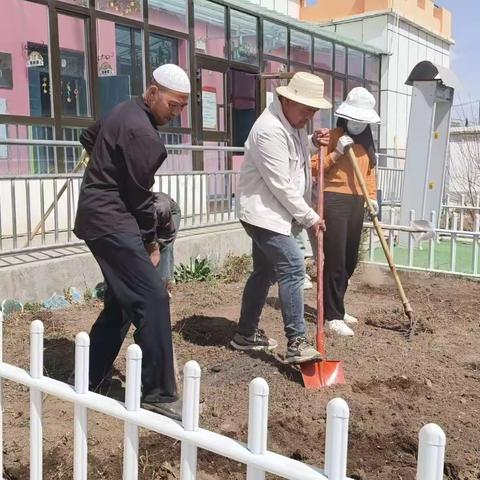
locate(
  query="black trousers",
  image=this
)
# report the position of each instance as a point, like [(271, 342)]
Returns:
[(344, 215), (135, 294)]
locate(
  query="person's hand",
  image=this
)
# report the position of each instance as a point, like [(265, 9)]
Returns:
[(375, 206), (318, 227), (153, 251), (321, 137), (343, 143)]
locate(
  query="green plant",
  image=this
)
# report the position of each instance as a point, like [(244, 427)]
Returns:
[(88, 294), (33, 307), (197, 269), (236, 267)]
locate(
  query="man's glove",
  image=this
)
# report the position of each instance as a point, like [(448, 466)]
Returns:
[(375, 206), (166, 229), (343, 142)]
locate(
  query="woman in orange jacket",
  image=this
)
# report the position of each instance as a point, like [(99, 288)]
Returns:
[(344, 202)]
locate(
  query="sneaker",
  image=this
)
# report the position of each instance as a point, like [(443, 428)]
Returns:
[(338, 327), (171, 410), (257, 341), (307, 284), (299, 350), (350, 319)]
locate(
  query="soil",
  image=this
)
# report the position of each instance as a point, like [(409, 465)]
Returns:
[(394, 386)]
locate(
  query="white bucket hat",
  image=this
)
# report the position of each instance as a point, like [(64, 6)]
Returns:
[(307, 89), (359, 106)]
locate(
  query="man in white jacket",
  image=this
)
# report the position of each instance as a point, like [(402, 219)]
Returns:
[(275, 196)]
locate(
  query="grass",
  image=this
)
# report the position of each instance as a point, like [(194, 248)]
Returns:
[(442, 258)]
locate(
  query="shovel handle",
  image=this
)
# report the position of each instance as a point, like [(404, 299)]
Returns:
[(406, 304), (320, 341)]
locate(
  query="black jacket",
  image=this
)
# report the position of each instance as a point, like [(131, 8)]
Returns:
[(126, 151)]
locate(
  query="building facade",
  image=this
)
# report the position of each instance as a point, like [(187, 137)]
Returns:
[(408, 31), (64, 64)]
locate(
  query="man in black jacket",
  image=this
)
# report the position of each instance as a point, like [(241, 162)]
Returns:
[(116, 217)]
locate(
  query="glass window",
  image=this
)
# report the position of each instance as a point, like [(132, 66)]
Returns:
[(25, 88), (340, 59), (372, 67), (125, 8), (23, 159), (322, 53), (171, 14), (73, 67), (71, 154), (352, 83), (213, 104), (323, 118), (300, 47), (120, 64), (274, 39), (163, 50), (338, 93), (82, 3), (355, 63), (271, 66), (299, 68), (210, 28), (243, 33)]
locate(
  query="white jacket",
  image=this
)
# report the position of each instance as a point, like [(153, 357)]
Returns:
[(267, 190)]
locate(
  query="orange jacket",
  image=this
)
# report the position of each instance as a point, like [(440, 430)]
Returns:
[(339, 175)]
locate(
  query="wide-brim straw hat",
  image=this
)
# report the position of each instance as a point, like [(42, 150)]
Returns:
[(359, 106), (307, 89)]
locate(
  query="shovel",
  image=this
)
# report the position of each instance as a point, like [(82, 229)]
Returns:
[(407, 308), (322, 373)]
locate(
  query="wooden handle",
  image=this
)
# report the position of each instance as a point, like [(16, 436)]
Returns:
[(406, 304), (82, 162), (320, 341)]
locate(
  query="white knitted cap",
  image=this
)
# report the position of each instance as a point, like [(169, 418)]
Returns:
[(173, 77)]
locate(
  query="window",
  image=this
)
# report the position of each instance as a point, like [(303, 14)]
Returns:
[(210, 37), (82, 3), (120, 64), (25, 82), (322, 54), (300, 47), (73, 67), (171, 14), (340, 59), (125, 8), (372, 67), (323, 118), (274, 39), (243, 33), (163, 50), (355, 63), (339, 93)]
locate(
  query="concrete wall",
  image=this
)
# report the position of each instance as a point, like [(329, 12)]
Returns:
[(421, 12), (287, 7), (36, 281)]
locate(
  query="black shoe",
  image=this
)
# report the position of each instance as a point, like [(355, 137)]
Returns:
[(257, 341), (299, 350), (171, 410)]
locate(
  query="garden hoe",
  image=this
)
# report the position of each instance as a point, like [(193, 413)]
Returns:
[(322, 373), (406, 304)]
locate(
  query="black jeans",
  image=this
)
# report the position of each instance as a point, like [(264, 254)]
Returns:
[(344, 216), (135, 295)]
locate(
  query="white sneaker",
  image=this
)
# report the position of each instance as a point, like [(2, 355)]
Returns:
[(307, 284), (350, 319), (338, 327)]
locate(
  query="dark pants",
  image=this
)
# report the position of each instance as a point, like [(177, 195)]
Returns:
[(344, 220), (276, 258), (135, 295)]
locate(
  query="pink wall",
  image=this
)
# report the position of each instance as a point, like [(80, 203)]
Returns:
[(19, 26), (106, 43)]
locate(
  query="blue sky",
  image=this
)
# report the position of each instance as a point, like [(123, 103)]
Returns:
[(466, 53)]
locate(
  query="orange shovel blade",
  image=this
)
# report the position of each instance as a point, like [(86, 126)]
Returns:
[(322, 374)]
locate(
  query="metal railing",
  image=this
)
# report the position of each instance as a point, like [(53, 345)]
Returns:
[(449, 251)]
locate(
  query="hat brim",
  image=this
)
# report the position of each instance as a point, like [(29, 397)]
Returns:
[(320, 103), (358, 114)]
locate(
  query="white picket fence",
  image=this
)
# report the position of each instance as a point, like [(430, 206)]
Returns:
[(254, 454)]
